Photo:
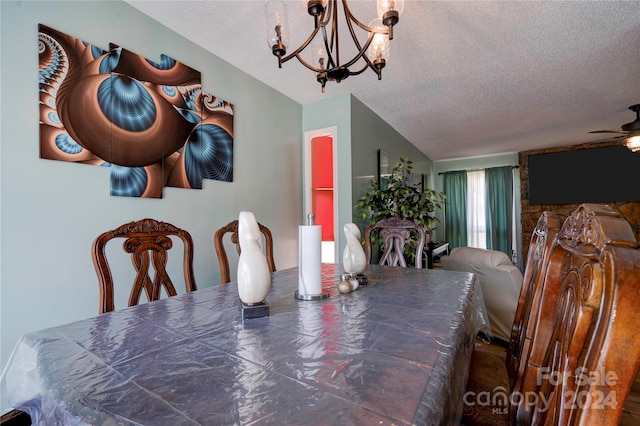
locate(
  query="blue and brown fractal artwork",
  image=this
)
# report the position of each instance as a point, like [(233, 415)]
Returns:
[(150, 123)]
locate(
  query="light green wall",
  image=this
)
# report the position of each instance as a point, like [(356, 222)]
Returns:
[(369, 134), (51, 211), (360, 133), (472, 163), (334, 112)]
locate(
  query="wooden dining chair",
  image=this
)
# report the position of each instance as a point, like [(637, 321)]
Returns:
[(488, 369), (574, 352), (223, 260), (148, 241), (395, 233), (15, 418), (522, 332)]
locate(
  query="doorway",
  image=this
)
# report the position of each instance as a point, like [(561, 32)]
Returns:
[(320, 188)]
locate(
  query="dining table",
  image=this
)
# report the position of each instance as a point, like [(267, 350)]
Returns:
[(393, 352)]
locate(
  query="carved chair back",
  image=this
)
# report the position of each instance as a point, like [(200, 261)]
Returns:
[(395, 234), (223, 260), (148, 241), (537, 260), (583, 348)]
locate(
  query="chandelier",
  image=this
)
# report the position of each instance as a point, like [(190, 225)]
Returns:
[(324, 39)]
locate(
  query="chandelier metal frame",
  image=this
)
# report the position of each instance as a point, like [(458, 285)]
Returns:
[(326, 20)]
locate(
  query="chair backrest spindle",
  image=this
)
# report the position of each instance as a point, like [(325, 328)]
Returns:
[(395, 234)]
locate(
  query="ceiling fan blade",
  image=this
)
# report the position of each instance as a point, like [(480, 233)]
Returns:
[(610, 139), (629, 129)]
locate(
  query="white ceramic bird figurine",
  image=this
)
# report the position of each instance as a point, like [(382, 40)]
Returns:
[(353, 259), (254, 277)]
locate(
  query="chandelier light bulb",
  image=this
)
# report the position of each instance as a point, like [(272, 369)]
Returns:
[(379, 47), (318, 53), (277, 27), (633, 143)]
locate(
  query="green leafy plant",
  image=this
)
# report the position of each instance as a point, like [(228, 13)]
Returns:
[(400, 196)]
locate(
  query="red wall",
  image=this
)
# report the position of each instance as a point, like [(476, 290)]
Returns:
[(322, 184)]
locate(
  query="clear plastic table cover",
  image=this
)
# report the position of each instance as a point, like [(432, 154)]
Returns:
[(395, 351)]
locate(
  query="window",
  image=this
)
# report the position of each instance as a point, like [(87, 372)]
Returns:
[(476, 222), (480, 209)]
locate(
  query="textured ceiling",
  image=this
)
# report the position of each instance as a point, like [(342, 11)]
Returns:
[(465, 78)]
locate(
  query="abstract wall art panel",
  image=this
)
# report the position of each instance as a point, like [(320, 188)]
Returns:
[(150, 123)]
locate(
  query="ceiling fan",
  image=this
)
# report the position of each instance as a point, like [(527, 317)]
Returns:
[(630, 130)]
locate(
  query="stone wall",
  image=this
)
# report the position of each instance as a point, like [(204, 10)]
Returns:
[(531, 213)]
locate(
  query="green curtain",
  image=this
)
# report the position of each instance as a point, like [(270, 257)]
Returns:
[(499, 208), (455, 213)]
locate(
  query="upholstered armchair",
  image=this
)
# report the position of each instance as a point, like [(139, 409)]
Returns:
[(500, 281)]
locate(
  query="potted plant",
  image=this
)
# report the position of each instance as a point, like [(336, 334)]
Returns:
[(401, 197)]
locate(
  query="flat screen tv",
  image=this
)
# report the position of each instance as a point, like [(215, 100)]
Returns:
[(594, 175)]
